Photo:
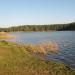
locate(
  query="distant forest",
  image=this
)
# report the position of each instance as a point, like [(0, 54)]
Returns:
[(53, 27)]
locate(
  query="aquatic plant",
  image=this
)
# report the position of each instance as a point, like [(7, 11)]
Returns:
[(43, 48)]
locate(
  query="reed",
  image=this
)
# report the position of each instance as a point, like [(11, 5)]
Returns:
[(43, 48)]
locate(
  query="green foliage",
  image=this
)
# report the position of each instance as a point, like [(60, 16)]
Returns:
[(55, 27), (16, 60)]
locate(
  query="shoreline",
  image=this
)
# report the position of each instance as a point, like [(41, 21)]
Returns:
[(15, 57), (5, 35)]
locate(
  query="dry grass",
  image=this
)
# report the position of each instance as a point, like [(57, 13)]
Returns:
[(43, 48)]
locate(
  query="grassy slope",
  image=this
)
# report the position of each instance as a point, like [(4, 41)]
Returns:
[(16, 60)]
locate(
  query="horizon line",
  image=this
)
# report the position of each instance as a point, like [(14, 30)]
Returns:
[(15, 25)]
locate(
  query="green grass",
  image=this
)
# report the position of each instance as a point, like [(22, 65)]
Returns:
[(16, 60)]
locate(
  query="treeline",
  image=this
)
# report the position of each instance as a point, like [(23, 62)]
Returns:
[(53, 27)]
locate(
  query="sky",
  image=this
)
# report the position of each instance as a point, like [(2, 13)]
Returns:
[(34, 12)]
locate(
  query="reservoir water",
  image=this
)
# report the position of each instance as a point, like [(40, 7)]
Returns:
[(64, 39)]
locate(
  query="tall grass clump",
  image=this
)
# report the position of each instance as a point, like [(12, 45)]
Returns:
[(43, 48)]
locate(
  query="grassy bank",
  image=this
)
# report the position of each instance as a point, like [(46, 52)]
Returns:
[(16, 60)]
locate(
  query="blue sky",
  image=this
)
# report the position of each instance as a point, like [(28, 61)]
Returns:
[(18, 12)]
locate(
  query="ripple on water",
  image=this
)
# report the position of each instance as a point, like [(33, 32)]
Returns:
[(64, 39)]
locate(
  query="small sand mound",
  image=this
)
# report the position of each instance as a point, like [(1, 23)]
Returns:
[(5, 35)]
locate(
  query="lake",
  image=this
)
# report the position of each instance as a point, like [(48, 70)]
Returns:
[(64, 39)]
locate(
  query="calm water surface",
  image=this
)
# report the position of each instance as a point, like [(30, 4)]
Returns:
[(64, 39)]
